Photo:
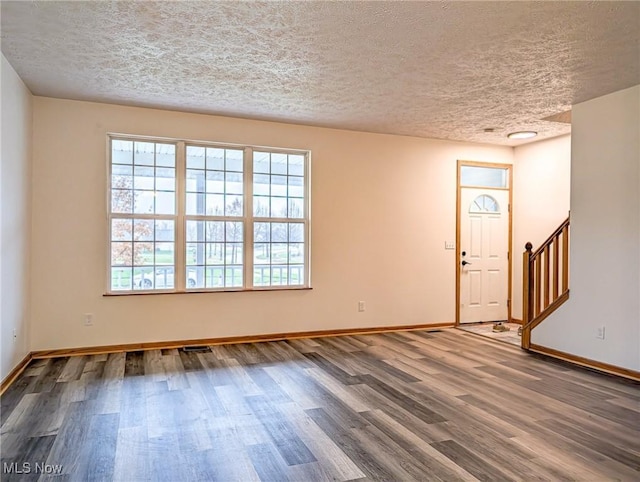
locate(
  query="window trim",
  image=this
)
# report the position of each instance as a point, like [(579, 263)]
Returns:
[(180, 217)]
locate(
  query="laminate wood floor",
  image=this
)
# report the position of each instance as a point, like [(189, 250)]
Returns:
[(398, 406)]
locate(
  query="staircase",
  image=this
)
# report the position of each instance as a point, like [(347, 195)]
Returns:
[(545, 280)]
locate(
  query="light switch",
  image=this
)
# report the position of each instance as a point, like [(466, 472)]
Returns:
[(449, 245)]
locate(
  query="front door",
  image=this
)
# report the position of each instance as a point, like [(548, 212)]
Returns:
[(483, 260)]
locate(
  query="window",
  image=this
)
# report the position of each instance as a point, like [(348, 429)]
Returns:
[(278, 210), (481, 176), (196, 216), (214, 215), (484, 204), (142, 221)]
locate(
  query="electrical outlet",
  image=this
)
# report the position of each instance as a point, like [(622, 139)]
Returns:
[(88, 319), (600, 333), (360, 305)]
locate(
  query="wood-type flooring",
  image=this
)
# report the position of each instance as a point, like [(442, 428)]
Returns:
[(403, 406)]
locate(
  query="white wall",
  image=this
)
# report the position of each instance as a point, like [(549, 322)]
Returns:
[(541, 187), (382, 209), (605, 235), (15, 218)]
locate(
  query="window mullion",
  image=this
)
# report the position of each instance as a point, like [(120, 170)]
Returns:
[(307, 219), (180, 237), (248, 217), (108, 263)]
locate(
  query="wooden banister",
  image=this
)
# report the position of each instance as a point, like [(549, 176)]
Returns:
[(550, 239), (545, 280)]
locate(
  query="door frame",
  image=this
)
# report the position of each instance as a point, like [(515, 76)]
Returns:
[(459, 188)]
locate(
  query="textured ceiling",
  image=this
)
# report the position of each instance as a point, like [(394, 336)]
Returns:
[(428, 69)]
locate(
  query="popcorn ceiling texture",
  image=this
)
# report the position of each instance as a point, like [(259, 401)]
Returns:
[(428, 69)]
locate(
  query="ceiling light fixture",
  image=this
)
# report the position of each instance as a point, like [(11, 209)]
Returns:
[(522, 135)]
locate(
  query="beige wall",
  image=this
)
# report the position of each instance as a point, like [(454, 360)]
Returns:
[(15, 218), (605, 235), (541, 187), (382, 208)]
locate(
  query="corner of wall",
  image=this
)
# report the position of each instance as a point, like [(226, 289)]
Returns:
[(541, 192), (605, 235), (15, 218)]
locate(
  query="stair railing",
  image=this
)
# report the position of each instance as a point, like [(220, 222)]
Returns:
[(545, 280)]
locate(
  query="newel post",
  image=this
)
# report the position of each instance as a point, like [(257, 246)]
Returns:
[(527, 295)]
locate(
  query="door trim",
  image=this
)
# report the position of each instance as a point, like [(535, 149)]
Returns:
[(509, 168)]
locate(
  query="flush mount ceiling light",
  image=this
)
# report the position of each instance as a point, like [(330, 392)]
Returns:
[(522, 135)]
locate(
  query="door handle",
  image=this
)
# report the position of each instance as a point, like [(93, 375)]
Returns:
[(464, 263)]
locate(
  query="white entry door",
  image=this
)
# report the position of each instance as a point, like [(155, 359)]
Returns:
[(484, 246)]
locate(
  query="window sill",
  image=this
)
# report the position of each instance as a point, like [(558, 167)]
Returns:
[(190, 292)]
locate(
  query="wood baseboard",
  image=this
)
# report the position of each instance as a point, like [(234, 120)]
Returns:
[(19, 368), (157, 345), (516, 320), (586, 362)]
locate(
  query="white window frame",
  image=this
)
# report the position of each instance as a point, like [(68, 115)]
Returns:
[(180, 217)]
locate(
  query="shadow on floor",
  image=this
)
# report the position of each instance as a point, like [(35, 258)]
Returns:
[(486, 329)]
